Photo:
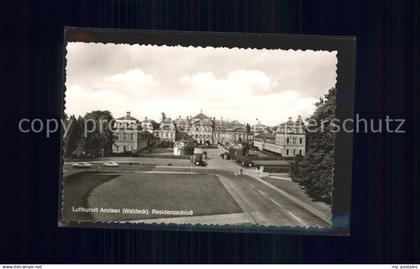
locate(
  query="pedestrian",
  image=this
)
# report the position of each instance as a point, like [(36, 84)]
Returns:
[(240, 172)]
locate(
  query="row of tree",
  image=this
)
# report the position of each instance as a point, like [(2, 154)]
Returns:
[(315, 170), (88, 136)]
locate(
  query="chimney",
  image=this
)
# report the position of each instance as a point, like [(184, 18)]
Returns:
[(145, 118), (128, 113), (290, 118)]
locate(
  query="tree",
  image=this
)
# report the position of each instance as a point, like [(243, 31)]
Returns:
[(181, 135), (73, 136), (189, 147), (97, 135), (294, 168), (245, 149), (315, 170), (155, 125), (248, 128)]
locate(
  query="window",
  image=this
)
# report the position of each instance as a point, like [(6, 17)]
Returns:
[(300, 151), (287, 142), (301, 140), (294, 140), (287, 151)]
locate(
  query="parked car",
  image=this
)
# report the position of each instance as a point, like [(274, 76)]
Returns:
[(82, 165), (247, 163), (225, 156), (197, 159), (110, 164)]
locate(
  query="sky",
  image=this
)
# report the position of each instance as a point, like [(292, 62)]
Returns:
[(233, 84)]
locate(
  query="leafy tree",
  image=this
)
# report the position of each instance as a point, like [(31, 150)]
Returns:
[(245, 149), (295, 166), (248, 128), (98, 136), (180, 135), (155, 125), (189, 148), (73, 136), (315, 170)]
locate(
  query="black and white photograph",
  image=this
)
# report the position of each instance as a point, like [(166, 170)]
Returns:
[(210, 132), (158, 134)]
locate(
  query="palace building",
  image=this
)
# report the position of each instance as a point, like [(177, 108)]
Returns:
[(147, 125), (205, 129), (288, 140), (166, 131), (126, 134), (231, 131)]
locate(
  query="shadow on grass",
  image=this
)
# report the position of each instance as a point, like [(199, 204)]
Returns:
[(77, 188)]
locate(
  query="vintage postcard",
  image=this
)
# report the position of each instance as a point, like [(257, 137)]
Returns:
[(206, 131)]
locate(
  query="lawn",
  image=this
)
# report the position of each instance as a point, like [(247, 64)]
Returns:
[(76, 190), (202, 193), (78, 186)]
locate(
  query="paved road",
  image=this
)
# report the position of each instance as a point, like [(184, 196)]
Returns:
[(265, 205)]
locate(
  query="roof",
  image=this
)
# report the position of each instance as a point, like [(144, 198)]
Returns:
[(147, 121), (222, 122), (239, 129), (127, 117), (235, 122), (166, 127), (201, 116), (289, 122), (259, 125), (181, 121), (265, 136)]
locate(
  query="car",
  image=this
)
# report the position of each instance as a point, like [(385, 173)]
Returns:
[(225, 156), (110, 164), (197, 159), (81, 165), (247, 163)]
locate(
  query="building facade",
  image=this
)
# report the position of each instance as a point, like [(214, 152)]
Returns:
[(259, 128), (166, 131), (126, 134), (147, 125), (288, 140), (201, 128)]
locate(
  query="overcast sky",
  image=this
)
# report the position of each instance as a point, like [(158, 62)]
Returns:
[(241, 84)]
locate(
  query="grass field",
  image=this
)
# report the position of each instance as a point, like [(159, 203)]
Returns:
[(202, 193), (76, 190)]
